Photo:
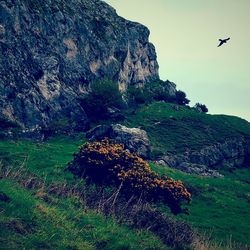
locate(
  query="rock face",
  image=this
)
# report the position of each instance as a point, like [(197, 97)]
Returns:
[(52, 50), (231, 153), (134, 139)]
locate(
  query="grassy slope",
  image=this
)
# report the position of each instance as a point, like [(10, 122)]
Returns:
[(221, 203), (218, 204), (46, 160), (174, 130), (29, 222)]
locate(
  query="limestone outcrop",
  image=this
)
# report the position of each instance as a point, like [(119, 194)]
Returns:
[(52, 50), (230, 154)]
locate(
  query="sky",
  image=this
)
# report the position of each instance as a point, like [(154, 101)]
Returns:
[(185, 34)]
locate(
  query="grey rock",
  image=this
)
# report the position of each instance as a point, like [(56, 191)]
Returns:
[(134, 139), (99, 132), (51, 51), (206, 161), (170, 88)]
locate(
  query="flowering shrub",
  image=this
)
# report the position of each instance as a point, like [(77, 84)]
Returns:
[(105, 162)]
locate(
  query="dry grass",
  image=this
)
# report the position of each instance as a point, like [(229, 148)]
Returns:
[(206, 243)]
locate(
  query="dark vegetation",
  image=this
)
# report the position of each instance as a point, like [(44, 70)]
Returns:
[(181, 98), (104, 94), (151, 91), (108, 163), (5, 124), (201, 107), (155, 91)]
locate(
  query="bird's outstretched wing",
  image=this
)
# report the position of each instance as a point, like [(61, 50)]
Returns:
[(221, 42), (227, 39)]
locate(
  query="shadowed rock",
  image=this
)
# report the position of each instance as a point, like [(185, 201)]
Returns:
[(134, 139)]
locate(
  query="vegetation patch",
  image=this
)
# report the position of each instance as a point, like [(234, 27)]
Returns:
[(217, 204), (174, 128), (104, 94), (217, 208), (109, 163)]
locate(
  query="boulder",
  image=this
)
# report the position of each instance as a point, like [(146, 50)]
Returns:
[(134, 139)]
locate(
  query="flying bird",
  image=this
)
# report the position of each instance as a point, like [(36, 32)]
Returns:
[(222, 41)]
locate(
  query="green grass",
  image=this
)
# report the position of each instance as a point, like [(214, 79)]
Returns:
[(175, 130), (45, 159), (219, 206), (27, 222), (62, 223)]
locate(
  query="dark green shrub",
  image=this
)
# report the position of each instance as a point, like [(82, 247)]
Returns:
[(139, 96), (153, 91), (181, 98), (103, 94), (6, 124), (160, 90), (201, 107)]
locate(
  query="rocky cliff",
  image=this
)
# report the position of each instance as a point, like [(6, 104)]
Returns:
[(52, 50)]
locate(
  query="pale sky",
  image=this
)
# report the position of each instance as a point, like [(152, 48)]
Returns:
[(185, 34)]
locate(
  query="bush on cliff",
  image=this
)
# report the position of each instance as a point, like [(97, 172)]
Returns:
[(201, 107), (138, 96), (104, 162), (103, 94), (152, 91), (181, 98)]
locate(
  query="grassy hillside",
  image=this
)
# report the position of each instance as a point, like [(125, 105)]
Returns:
[(44, 213), (219, 204), (173, 128), (217, 207), (28, 222), (34, 218)]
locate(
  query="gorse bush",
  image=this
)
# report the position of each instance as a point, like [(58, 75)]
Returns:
[(104, 162)]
